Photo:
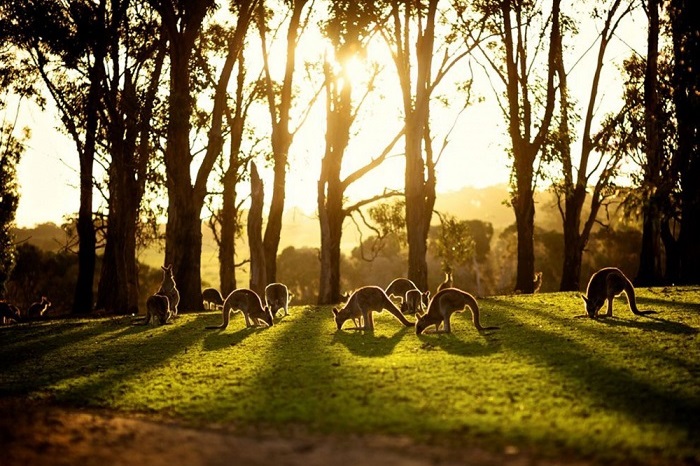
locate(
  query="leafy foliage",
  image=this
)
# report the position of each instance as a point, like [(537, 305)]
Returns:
[(11, 150)]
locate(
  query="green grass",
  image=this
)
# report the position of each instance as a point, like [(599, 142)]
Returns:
[(620, 389)]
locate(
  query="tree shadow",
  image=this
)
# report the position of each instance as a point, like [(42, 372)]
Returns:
[(640, 397), (219, 339), (453, 344), (366, 343), (649, 323)]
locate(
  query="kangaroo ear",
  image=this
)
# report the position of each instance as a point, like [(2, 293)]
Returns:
[(427, 294)]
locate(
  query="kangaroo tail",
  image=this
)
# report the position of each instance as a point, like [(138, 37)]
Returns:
[(474, 306), (391, 307), (631, 298), (226, 315)]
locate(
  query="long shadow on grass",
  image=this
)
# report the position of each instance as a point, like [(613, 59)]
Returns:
[(453, 344), (365, 342), (615, 389), (219, 339), (304, 378), (95, 373), (650, 323), (32, 341), (652, 303)]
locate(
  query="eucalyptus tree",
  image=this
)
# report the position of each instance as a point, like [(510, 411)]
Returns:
[(349, 27), (590, 175), (410, 32), (130, 112), (686, 83), (183, 23), (280, 99), (528, 78), (67, 44)]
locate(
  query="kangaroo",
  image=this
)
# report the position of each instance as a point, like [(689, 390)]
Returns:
[(38, 308), (445, 303), (413, 302), (211, 298), (9, 312), (447, 283), (157, 307), (249, 303), (362, 303), (537, 282), (399, 286), (168, 288), (277, 297), (605, 284)]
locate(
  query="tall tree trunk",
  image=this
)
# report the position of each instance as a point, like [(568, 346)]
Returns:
[(573, 247), (686, 83), (419, 179), (650, 267), (258, 280), (519, 128), (83, 298), (281, 139)]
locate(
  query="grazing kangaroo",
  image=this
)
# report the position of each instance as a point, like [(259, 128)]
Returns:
[(168, 288), (537, 282), (604, 285), (277, 297), (157, 307), (211, 298), (362, 303), (447, 283), (9, 312), (413, 302), (249, 303), (38, 308), (445, 303), (399, 286)]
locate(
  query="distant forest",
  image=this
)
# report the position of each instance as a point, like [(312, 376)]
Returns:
[(47, 261)]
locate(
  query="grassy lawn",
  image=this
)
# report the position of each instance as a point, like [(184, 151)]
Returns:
[(625, 388)]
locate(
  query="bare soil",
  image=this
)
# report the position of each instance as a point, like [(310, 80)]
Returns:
[(43, 433)]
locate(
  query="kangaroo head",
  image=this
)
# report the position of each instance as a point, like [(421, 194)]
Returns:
[(592, 306)]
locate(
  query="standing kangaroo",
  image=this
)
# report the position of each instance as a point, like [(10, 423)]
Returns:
[(249, 303), (400, 286), (604, 285), (157, 307), (38, 309), (537, 282), (277, 297), (211, 298), (445, 303), (447, 283), (168, 288), (362, 303)]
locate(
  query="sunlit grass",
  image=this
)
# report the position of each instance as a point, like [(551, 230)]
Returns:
[(546, 382)]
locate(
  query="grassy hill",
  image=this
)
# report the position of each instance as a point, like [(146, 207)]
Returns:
[(622, 390)]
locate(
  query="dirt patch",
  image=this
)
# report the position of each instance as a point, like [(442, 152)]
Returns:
[(42, 433)]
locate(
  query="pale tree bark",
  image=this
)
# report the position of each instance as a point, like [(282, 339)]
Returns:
[(279, 107)]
